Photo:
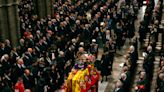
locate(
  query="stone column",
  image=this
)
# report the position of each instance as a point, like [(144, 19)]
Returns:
[(43, 7), (13, 21), (3, 20), (49, 7), (40, 8), (9, 20)]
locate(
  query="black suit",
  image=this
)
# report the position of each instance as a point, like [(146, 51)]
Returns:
[(2, 52), (47, 61), (21, 49), (41, 47), (105, 71), (85, 37), (30, 43), (112, 50), (28, 81), (49, 41), (160, 84), (5, 66), (37, 38), (14, 56), (27, 60), (60, 66), (133, 60), (119, 40), (148, 64), (16, 73), (8, 49), (69, 55)]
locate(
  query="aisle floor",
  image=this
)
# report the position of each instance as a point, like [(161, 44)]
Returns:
[(119, 59)]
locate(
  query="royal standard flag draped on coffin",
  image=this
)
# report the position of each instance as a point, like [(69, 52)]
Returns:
[(73, 82)]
